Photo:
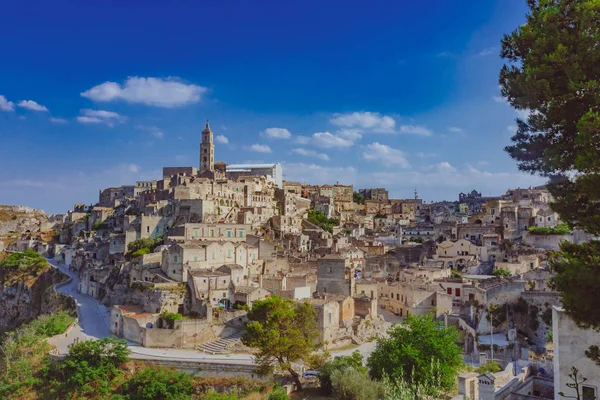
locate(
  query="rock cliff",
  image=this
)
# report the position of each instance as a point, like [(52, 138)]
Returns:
[(24, 296)]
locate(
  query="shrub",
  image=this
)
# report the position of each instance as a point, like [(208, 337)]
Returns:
[(159, 383), (52, 325), (490, 366), (145, 243), (278, 393), (319, 218), (351, 384), (355, 361), (501, 272), (560, 229), (141, 252), (170, 318), (100, 225), (27, 260)]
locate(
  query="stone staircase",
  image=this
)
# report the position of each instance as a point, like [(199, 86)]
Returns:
[(219, 346)]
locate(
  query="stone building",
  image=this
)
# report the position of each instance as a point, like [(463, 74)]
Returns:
[(207, 151), (374, 194), (335, 275)]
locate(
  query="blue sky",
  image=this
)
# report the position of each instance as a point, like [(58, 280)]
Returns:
[(383, 93)]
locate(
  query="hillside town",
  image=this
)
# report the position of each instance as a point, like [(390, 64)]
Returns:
[(179, 261)]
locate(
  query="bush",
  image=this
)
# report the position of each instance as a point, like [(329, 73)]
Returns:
[(278, 393), (52, 325), (318, 218), (351, 384), (100, 225), (501, 272), (560, 229), (27, 260), (159, 383), (355, 361), (145, 243), (141, 252), (170, 318), (490, 366)]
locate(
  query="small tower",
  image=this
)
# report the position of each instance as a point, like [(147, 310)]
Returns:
[(207, 150)]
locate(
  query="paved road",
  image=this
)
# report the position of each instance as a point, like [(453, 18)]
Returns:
[(94, 322)]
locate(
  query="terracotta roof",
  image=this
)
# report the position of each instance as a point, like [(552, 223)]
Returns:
[(245, 289), (138, 316), (130, 309)]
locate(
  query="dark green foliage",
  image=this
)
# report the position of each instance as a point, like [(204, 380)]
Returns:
[(577, 278), (560, 229), (100, 225), (496, 313), (278, 393), (593, 353), (145, 243), (159, 383), (27, 260), (418, 351), (358, 198), (354, 361), (89, 367), (318, 218), (416, 239), (554, 71), (501, 272), (283, 331), (547, 316)]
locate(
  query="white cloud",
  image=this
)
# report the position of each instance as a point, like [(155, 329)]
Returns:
[(318, 174), (446, 54), (385, 155), (426, 155), (302, 139), (512, 128), (58, 120), (455, 129), (371, 121), (133, 168), (277, 133), (415, 130), (487, 51), (89, 120), (32, 105), (350, 134), (99, 116), (100, 113), (327, 140), (6, 105), (499, 99), (167, 93), (311, 153), (158, 134), (444, 167), (221, 139), (260, 148)]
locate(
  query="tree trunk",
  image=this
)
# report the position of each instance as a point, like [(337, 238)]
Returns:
[(296, 378)]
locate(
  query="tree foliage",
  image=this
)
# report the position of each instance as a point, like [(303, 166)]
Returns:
[(577, 278), (354, 361), (553, 74), (27, 260), (159, 383), (146, 245), (317, 217), (349, 383), (501, 272), (358, 198), (561, 229), (283, 331), (418, 351)]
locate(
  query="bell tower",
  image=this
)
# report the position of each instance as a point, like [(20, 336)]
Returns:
[(207, 150)]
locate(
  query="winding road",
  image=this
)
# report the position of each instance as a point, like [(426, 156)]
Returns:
[(94, 321)]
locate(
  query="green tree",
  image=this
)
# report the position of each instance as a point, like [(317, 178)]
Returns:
[(27, 260), (501, 272), (358, 198), (284, 332), (552, 73), (159, 383), (354, 361), (417, 351), (278, 393), (490, 366), (349, 383)]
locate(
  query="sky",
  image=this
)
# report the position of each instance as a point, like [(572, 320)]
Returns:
[(395, 94)]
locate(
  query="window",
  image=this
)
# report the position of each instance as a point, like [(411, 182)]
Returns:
[(173, 271), (549, 219), (174, 258), (530, 265), (449, 290), (329, 317), (397, 296), (202, 295), (457, 291), (329, 269), (433, 302), (195, 233), (229, 234), (588, 392), (223, 294), (147, 229), (195, 258), (212, 233), (213, 256), (224, 281)]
